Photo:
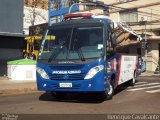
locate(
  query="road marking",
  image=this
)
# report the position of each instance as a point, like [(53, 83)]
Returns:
[(140, 83), (136, 89), (144, 85), (153, 91)]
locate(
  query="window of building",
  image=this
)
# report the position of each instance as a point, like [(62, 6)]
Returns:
[(68, 3), (129, 15), (54, 5), (55, 19), (65, 3)]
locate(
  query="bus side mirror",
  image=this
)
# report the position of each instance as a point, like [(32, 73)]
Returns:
[(113, 40)]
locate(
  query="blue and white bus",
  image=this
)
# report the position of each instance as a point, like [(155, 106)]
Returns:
[(82, 58)]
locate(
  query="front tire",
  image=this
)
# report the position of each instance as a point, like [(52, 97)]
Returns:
[(107, 95)]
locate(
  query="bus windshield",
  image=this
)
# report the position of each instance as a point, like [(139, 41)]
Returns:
[(73, 42)]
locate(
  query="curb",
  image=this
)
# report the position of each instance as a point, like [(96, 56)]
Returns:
[(151, 75), (18, 91), (148, 77)]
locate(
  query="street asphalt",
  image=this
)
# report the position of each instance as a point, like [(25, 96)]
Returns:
[(126, 100), (143, 98)]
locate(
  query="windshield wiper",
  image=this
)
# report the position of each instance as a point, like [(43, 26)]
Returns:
[(79, 51), (54, 54)]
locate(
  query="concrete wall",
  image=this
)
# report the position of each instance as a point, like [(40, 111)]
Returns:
[(149, 9), (153, 55)]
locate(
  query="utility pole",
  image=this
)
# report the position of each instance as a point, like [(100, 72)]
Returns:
[(144, 22), (145, 44)]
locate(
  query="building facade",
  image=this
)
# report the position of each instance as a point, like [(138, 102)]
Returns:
[(143, 17)]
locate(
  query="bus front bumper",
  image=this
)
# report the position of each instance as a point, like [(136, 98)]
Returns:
[(71, 86)]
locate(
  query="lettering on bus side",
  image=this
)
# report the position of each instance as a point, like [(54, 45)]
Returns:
[(128, 58)]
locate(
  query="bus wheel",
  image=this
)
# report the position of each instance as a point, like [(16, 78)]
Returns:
[(133, 81), (109, 94)]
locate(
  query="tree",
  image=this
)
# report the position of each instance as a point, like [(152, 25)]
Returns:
[(34, 13)]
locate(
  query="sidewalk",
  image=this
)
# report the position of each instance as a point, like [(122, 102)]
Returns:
[(16, 87), (149, 76), (145, 74), (20, 87)]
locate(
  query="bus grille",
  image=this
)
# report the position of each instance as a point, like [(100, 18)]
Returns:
[(67, 76)]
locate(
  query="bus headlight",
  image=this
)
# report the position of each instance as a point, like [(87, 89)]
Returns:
[(93, 71), (42, 73)]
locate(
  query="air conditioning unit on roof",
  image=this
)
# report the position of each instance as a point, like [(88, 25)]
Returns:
[(143, 19)]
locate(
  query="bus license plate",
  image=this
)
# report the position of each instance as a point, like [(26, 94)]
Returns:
[(66, 85)]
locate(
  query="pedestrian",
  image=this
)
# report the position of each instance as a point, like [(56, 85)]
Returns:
[(25, 55), (33, 56)]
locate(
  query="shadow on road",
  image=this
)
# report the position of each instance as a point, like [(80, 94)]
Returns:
[(47, 97), (121, 88), (80, 98)]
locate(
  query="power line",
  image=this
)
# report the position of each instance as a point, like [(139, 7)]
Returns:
[(152, 14), (145, 7), (139, 10), (113, 6)]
